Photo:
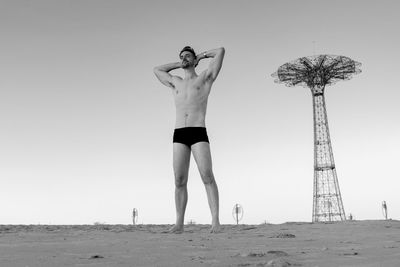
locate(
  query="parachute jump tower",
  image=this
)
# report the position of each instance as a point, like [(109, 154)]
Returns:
[(316, 72)]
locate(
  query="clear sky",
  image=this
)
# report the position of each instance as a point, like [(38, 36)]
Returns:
[(86, 128)]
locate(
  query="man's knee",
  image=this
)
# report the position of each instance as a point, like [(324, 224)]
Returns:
[(207, 176), (180, 181)]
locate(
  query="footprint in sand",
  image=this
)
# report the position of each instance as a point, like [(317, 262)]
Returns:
[(283, 235), (96, 257), (278, 253), (280, 263), (250, 255), (350, 254)]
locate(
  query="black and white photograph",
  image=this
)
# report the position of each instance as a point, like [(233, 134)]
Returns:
[(199, 133)]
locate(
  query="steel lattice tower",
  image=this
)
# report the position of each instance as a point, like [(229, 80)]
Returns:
[(315, 72)]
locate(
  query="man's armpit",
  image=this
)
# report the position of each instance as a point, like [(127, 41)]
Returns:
[(208, 77), (170, 84)]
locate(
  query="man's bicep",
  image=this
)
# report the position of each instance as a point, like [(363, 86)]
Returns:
[(215, 66), (165, 78), (172, 82)]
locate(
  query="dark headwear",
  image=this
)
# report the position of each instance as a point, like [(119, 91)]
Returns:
[(188, 49)]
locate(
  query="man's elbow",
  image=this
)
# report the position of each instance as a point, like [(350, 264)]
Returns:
[(221, 52), (157, 71)]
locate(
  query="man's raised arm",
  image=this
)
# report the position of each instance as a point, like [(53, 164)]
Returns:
[(216, 62), (162, 73)]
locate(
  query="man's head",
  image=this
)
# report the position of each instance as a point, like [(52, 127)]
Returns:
[(188, 57)]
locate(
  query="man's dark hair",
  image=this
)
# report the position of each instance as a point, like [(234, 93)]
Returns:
[(188, 49)]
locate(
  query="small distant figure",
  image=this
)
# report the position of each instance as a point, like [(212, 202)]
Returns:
[(134, 216), (384, 210), (237, 213), (351, 217), (190, 136)]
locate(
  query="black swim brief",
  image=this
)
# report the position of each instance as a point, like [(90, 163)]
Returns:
[(190, 135)]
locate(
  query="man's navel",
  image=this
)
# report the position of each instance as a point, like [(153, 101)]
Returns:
[(186, 117)]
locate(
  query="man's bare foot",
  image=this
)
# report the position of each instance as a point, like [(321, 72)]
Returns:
[(215, 228), (176, 229)]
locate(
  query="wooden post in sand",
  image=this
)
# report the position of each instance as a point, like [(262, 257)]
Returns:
[(134, 216), (384, 209), (237, 213)]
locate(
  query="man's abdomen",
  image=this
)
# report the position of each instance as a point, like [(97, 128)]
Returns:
[(191, 112), (190, 119)]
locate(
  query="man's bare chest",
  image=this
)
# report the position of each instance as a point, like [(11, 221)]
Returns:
[(194, 90)]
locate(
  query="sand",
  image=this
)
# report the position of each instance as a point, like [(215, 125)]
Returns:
[(351, 243)]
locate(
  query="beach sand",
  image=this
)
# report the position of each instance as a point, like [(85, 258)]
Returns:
[(351, 243)]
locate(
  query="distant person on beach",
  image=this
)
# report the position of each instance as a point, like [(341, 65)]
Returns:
[(190, 136)]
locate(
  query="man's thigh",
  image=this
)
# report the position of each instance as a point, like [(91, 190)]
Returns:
[(181, 159), (202, 155)]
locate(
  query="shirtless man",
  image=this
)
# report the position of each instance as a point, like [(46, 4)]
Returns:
[(190, 135)]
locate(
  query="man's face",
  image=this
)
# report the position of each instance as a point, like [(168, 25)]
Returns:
[(187, 59)]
